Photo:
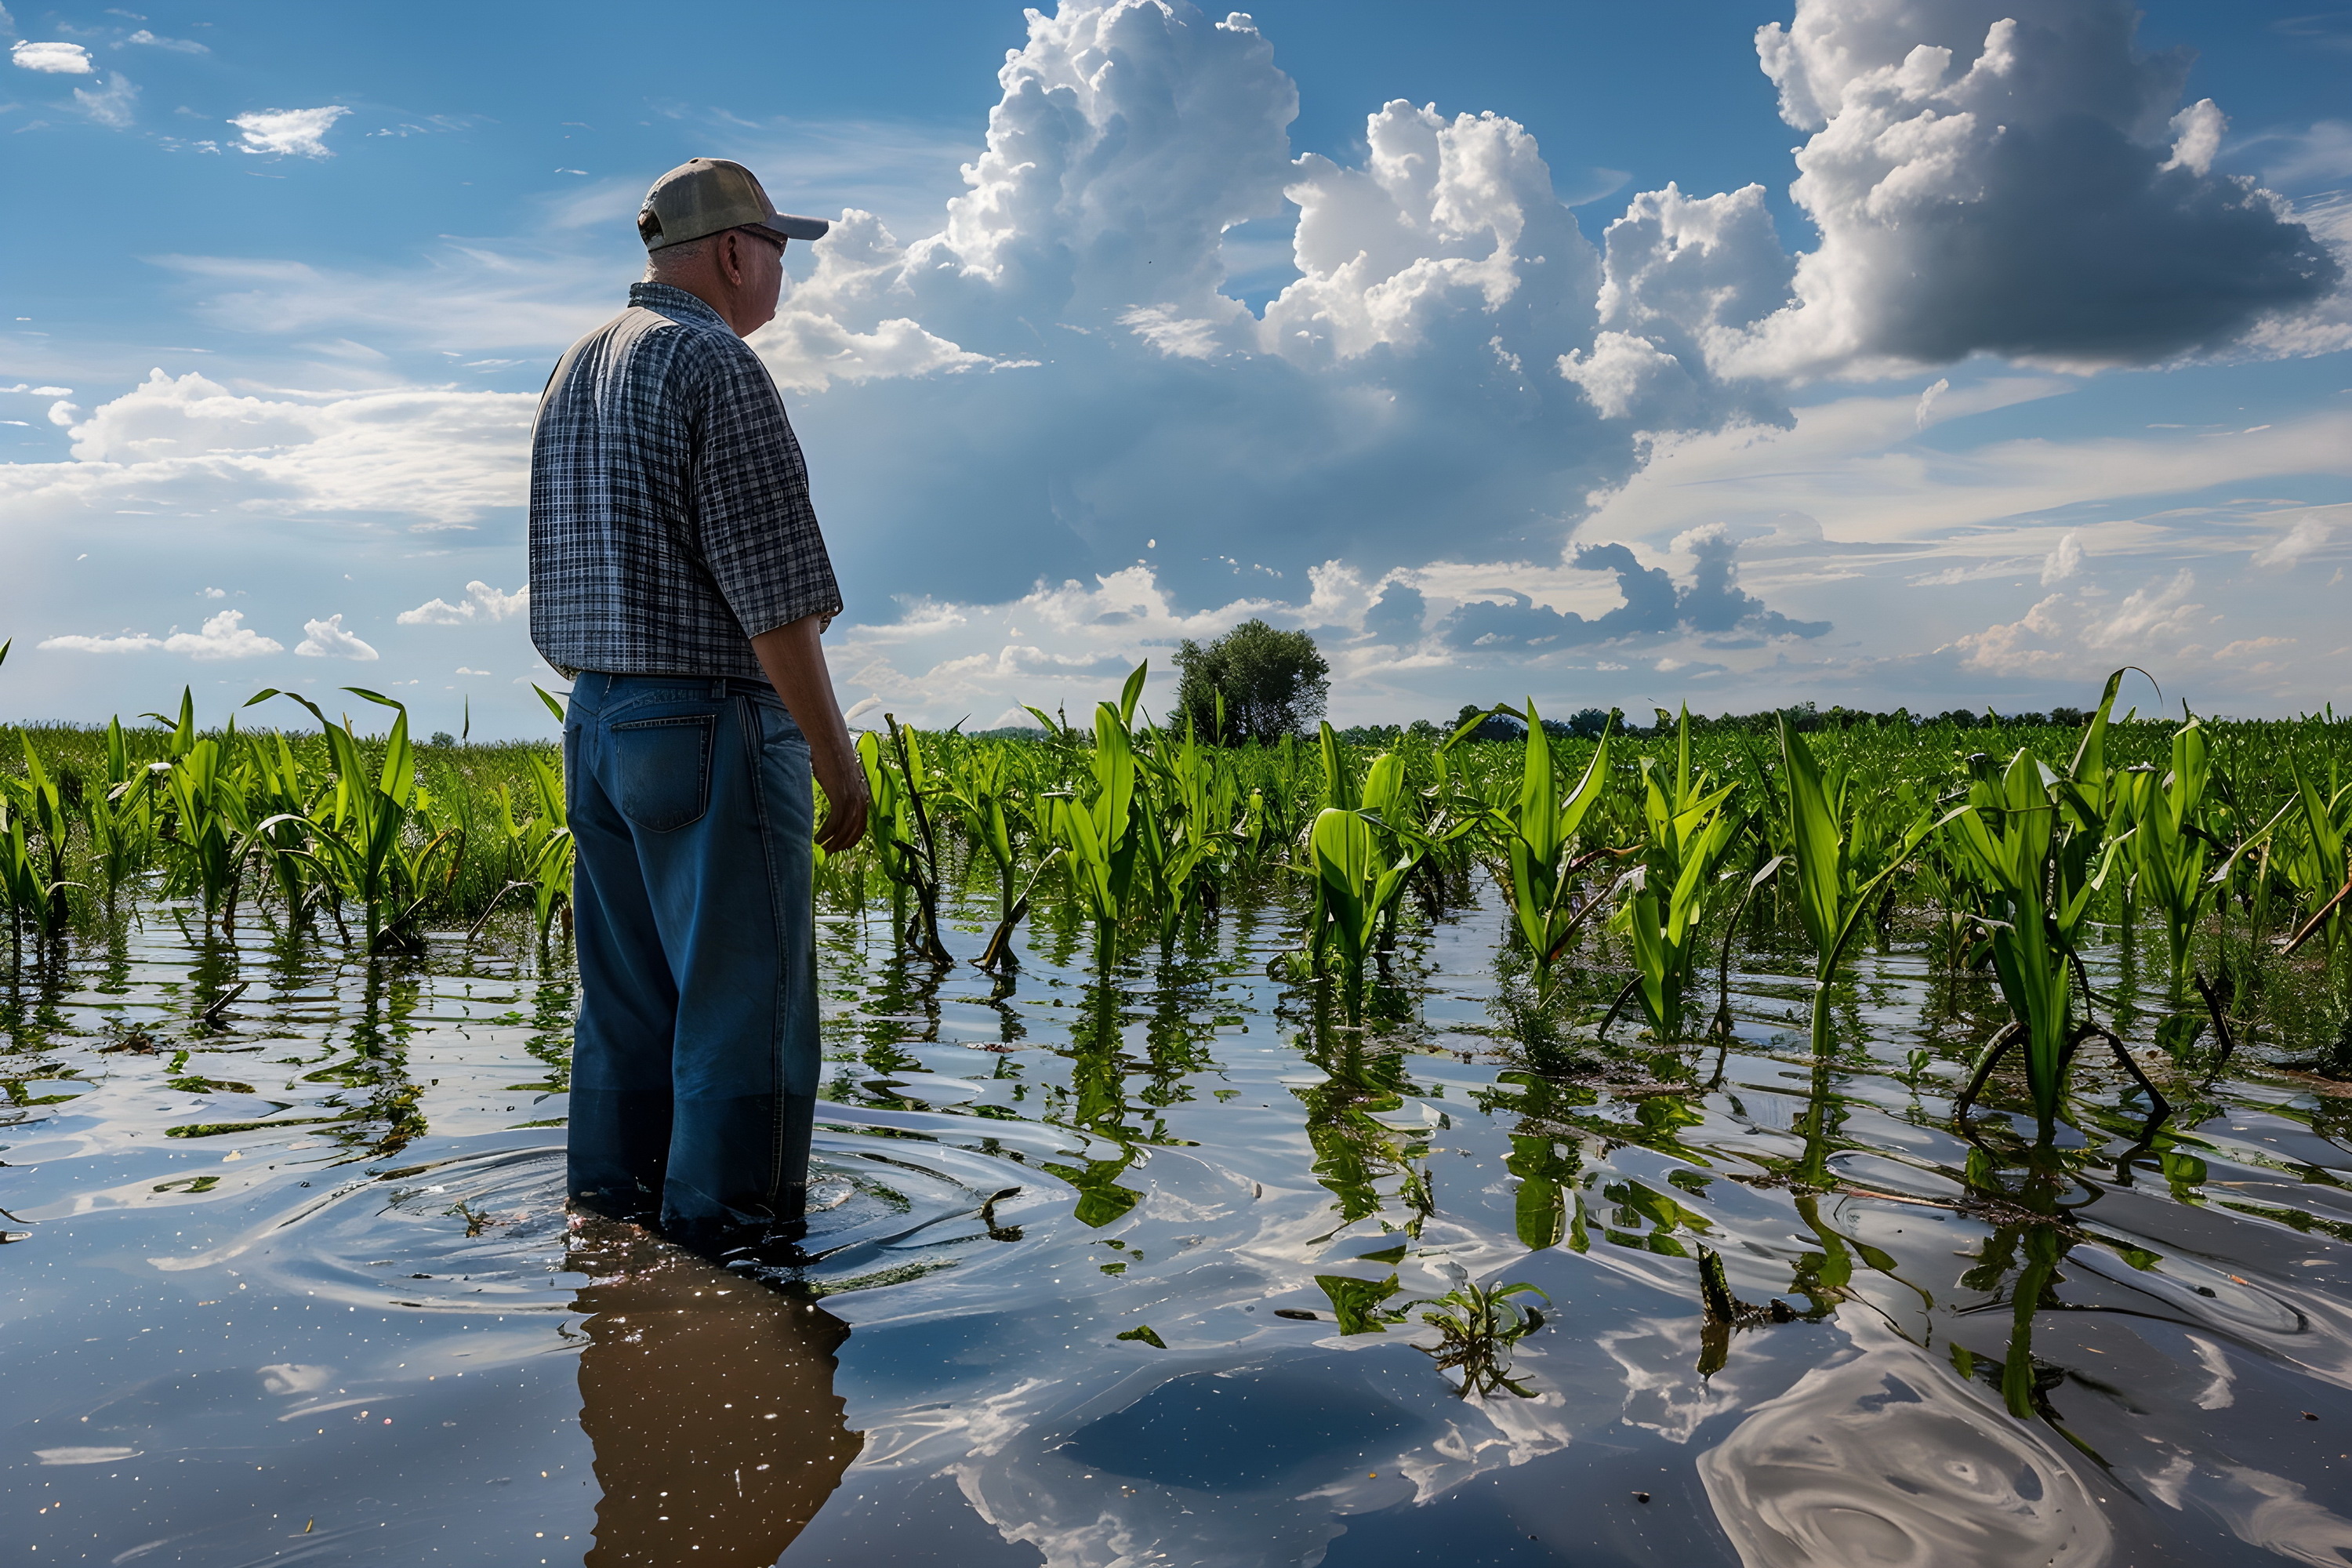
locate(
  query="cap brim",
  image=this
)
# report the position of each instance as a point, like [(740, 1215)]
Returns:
[(792, 227)]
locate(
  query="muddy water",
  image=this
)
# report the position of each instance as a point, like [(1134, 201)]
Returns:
[(294, 1285)]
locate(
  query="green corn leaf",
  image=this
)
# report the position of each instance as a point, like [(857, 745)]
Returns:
[(2090, 765), (1818, 847), (1539, 816), (1338, 781), (1131, 694)]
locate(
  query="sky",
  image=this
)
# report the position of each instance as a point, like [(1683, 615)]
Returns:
[(1939, 354)]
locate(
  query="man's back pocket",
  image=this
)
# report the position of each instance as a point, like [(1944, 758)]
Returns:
[(664, 769)]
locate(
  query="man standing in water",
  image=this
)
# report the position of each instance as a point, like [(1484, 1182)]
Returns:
[(678, 577)]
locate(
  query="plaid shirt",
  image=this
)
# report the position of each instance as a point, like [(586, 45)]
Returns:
[(669, 507)]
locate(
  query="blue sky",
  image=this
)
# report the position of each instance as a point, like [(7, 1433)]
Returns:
[(1903, 354)]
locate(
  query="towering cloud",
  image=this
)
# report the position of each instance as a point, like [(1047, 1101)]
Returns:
[(2022, 182), (1401, 391)]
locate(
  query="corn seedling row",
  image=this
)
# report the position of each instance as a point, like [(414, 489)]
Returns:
[(1622, 858)]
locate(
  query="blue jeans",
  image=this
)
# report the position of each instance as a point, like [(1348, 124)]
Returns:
[(694, 1066)]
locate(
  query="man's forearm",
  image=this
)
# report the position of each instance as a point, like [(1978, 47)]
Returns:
[(794, 657)]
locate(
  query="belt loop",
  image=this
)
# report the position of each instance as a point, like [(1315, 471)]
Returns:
[(718, 688)]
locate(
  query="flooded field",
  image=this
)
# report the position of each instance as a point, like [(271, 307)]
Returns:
[(288, 1277)]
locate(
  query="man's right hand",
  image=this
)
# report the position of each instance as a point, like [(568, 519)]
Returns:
[(794, 660), (846, 808)]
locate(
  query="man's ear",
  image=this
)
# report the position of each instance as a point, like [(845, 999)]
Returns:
[(731, 258)]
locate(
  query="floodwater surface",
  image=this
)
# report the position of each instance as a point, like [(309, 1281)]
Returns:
[(288, 1277)]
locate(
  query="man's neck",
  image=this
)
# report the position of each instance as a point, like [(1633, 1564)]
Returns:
[(708, 290)]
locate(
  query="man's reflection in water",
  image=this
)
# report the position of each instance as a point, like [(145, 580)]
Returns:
[(710, 1400)]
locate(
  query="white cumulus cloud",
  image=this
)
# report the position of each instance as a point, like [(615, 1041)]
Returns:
[(124, 642), (298, 132), (440, 456), (2071, 634), (481, 603), (328, 639), (1404, 381), (1684, 278), (1625, 376), (1449, 223), (224, 636), (64, 59), (1988, 182), (2022, 183)]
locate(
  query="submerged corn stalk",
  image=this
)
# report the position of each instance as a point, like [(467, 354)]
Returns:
[(1539, 833), (1833, 896), (1689, 828)]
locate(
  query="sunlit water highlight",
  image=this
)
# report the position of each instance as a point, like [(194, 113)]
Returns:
[(299, 1287)]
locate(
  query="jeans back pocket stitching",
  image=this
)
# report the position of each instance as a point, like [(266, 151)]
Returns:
[(708, 724)]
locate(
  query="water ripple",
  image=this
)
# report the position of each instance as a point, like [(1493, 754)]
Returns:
[(1880, 1461)]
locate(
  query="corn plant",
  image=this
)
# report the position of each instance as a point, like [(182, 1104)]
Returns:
[(283, 797), (1180, 832), (41, 802), (2010, 838), (184, 728), (2169, 850), (978, 791), (1689, 829), (1420, 826), (2016, 833), (208, 814), (1833, 896), (1356, 887), (996, 804), (2315, 862), (548, 852), (1540, 829), (361, 835), (902, 828), (538, 850), (1281, 801), (120, 820), (1098, 834), (22, 884)]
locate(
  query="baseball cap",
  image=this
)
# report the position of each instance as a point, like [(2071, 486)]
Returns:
[(704, 195)]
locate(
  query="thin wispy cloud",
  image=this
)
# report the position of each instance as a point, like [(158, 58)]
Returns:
[(175, 45), (115, 104)]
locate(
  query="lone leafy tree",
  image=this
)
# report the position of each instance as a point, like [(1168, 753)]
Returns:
[(1274, 683)]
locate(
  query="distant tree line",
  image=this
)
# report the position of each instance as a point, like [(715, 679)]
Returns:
[(1259, 683), (1587, 723)]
